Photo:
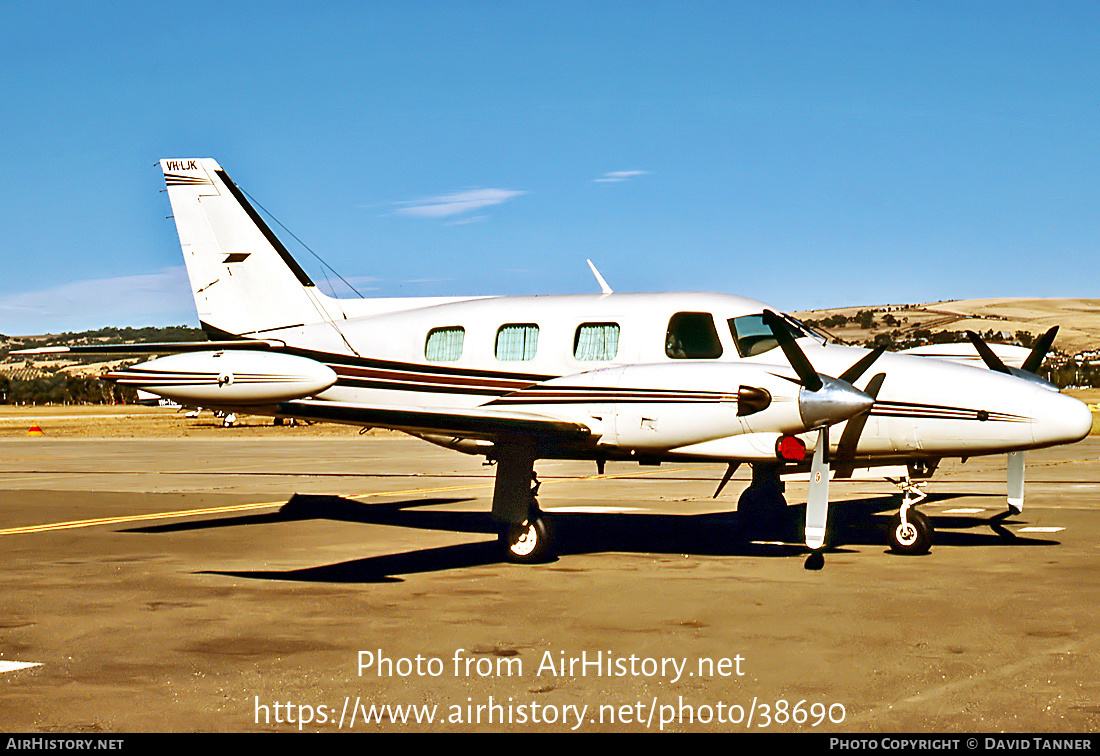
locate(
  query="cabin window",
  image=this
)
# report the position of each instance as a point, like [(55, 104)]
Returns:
[(517, 342), (444, 344), (692, 336), (596, 342)]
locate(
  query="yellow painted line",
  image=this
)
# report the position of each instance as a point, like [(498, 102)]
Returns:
[(205, 511), (267, 504), (139, 518)]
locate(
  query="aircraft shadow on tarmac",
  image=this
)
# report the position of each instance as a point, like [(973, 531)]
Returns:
[(857, 522)]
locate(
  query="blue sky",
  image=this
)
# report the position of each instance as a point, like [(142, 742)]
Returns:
[(806, 154)]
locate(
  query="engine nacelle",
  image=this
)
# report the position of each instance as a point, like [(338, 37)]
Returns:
[(230, 378), (658, 407)]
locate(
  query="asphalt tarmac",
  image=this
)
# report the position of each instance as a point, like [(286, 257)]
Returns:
[(324, 584)]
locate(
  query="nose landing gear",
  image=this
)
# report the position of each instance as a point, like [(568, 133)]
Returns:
[(910, 531)]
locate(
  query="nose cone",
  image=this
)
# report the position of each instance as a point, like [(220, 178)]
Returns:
[(1059, 419), (834, 402)]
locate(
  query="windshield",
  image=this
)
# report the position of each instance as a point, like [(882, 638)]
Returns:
[(752, 336)]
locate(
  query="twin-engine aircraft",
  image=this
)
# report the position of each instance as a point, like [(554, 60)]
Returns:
[(638, 377)]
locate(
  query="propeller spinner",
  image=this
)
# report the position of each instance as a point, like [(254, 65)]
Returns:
[(823, 400)]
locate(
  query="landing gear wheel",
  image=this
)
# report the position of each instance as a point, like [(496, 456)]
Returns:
[(528, 543), (913, 537)]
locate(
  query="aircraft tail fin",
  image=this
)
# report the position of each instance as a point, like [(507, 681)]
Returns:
[(244, 280)]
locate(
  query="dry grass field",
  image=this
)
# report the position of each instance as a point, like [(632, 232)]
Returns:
[(135, 421), (1078, 319)]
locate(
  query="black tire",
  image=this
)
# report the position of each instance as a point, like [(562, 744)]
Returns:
[(916, 539), (530, 543)]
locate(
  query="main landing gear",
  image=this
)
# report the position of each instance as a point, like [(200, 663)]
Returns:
[(524, 534), (910, 531)]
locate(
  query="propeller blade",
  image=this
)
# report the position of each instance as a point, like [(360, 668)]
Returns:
[(817, 502), (992, 361), (852, 374), (794, 354), (1039, 351), (849, 439)]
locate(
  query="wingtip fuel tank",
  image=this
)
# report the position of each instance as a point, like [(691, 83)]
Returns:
[(230, 378)]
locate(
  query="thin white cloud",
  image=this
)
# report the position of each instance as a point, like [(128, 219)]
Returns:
[(446, 205), (614, 177), (467, 220), (160, 298)]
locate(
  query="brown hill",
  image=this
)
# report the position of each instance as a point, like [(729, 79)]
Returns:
[(1078, 319)]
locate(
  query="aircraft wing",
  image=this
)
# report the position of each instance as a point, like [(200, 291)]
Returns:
[(964, 353), (476, 422)]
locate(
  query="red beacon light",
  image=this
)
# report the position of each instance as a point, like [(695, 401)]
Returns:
[(790, 449)]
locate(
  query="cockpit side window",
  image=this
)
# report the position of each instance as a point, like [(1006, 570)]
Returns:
[(752, 335), (692, 336)]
